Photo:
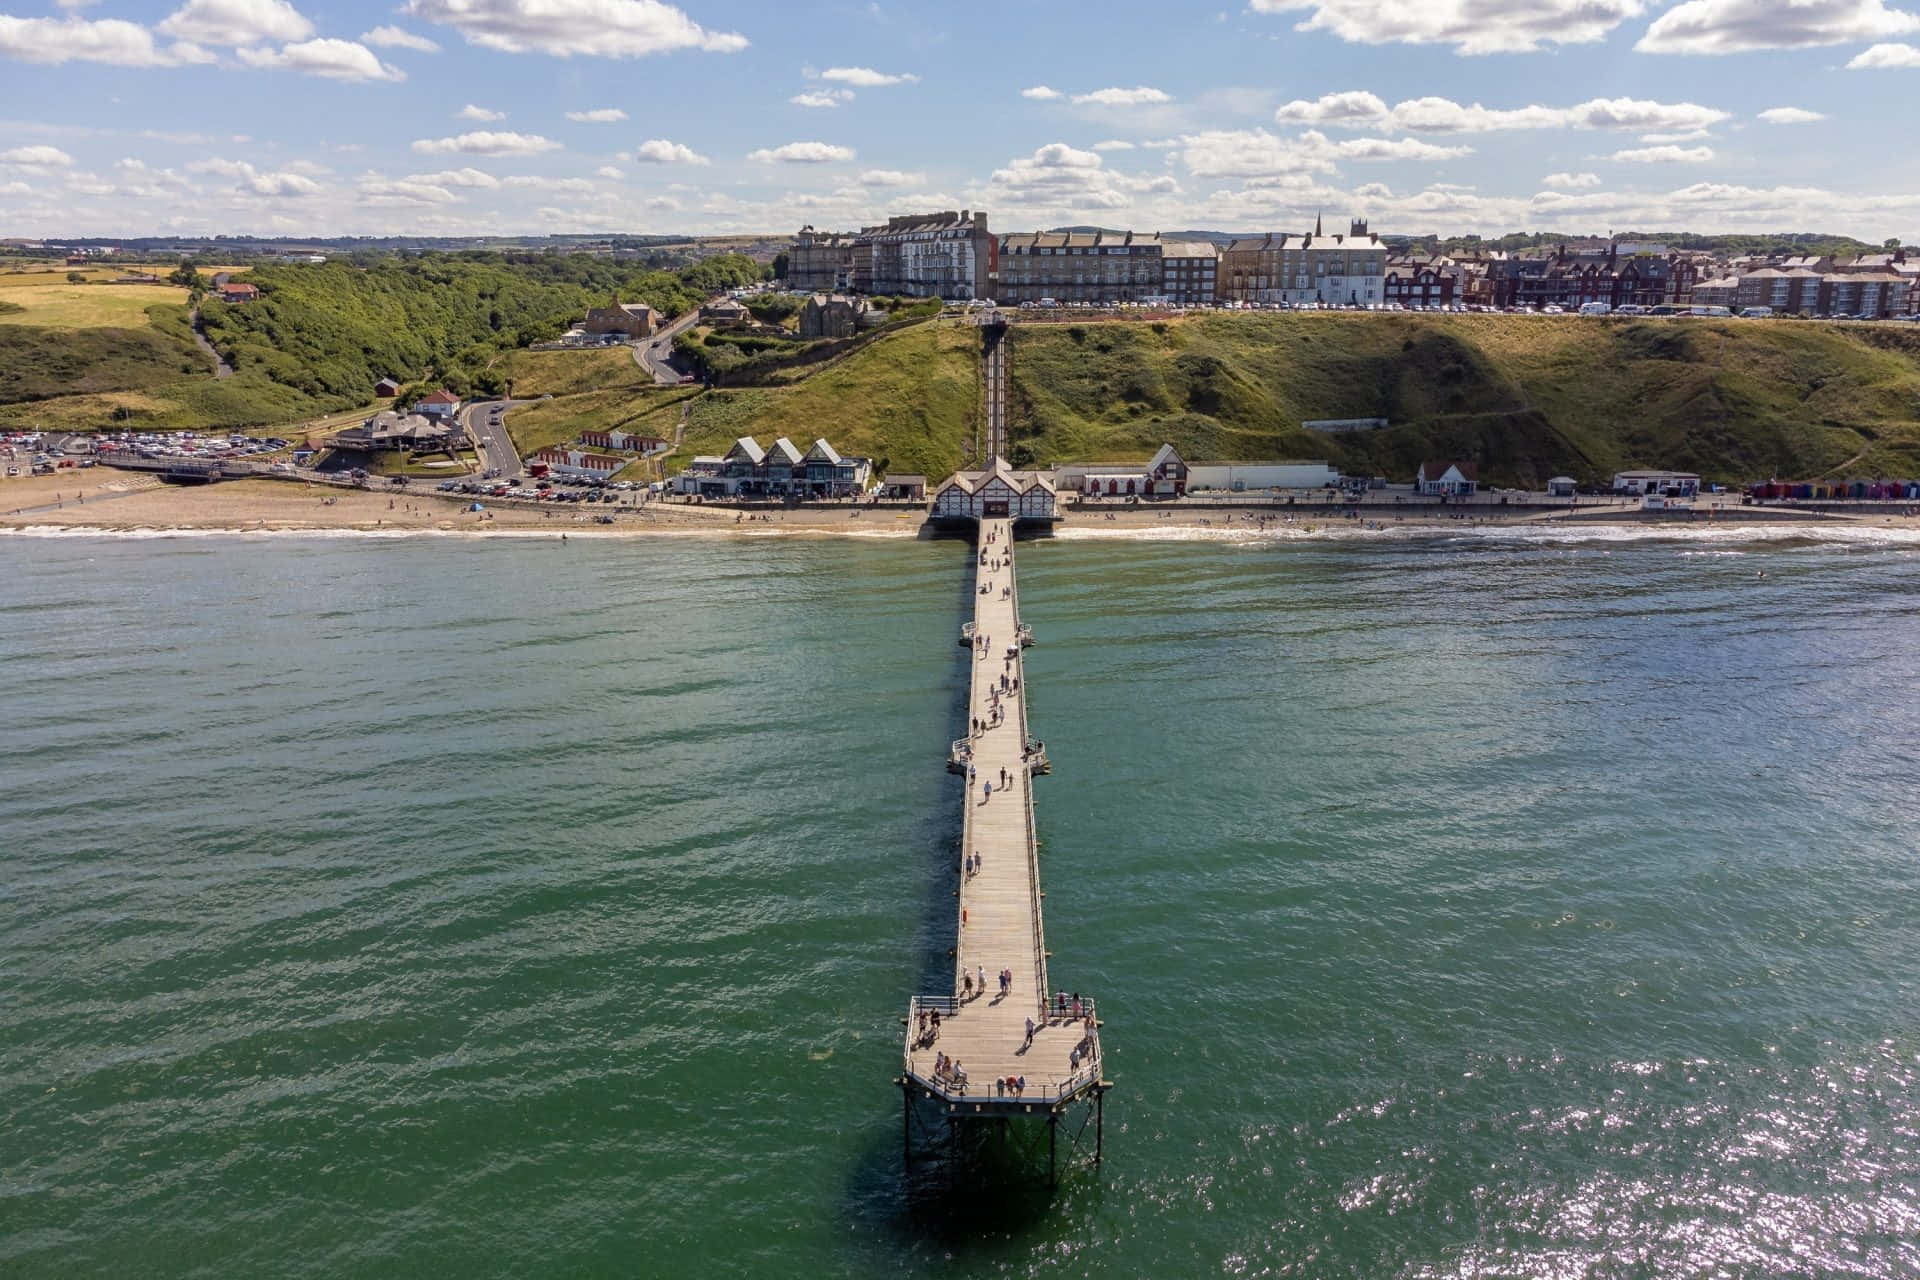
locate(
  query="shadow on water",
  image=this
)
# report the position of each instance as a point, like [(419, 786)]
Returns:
[(986, 1181)]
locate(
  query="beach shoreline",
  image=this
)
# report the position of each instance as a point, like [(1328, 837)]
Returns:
[(104, 503)]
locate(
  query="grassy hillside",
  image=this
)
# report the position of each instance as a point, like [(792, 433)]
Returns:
[(1526, 397), (910, 401), (318, 338)]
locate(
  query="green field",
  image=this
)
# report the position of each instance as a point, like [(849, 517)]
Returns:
[(1525, 397), (34, 300)]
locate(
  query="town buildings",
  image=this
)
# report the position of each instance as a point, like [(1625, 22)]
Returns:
[(1445, 479), (1421, 281), (820, 262), (1189, 272), (388, 431), (438, 405), (580, 464), (1336, 270), (997, 493), (629, 441), (633, 319), (1672, 484), (933, 255), (1168, 475), (1080, 266), (747, 470), (830, 316), (1570, 278), (237, 292)]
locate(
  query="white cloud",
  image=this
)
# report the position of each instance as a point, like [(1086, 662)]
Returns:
[(404, 191), (1471, 26), (663, 204), (1736, 26), (1256, 153), (801, 153), (398, 38), (599, 115), (334, 59), (595, 28), (1663, 155), (487, 143), (1040, 93), (891, 178), (252, 181), (1886, 56), (1442, 115), (660, 151), (58, 40), (866, 77), (457, 178), (1058, 176), (609, 171), (37, 157), (821, 98), (561, 186), (235, 22), (1354, 107), (1113, 144), (485, 115), (1571, 181), (1138, 97)]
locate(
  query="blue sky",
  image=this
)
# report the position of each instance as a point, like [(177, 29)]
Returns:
[(530, 116)]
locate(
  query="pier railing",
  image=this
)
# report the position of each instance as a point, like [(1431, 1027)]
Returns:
[(1033, 839), (1050, 1089)]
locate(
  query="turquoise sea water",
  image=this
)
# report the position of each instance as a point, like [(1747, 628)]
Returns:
[(1482, 905)]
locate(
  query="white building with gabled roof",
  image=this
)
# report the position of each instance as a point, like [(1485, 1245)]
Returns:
[(997, 493)]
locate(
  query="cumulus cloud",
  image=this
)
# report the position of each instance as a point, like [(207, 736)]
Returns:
[(252, 181), (1663, 155), (1443, 115), (661, 151), (334, 59), (486, 115), (821, 98), (599, 115), (609, 171), (398, 38), (235, 22), (1571, 181), (866, 77), (801, 153), (1137, 97), (1353, 107), (1256, 153), (1470, 26), (1886, 56), (457, 178), (1060, 176), (486, 143), (1040, 93), (562, 28), (891, 178), (38, 157), (390, 193), (1736, 26), (1113, 144), (59, 40)]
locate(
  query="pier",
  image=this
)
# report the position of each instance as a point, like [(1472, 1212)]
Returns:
[(999, 922)]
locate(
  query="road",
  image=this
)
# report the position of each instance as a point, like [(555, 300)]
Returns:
[(486, 424), (653, 355)]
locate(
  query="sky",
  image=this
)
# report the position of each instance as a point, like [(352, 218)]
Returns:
[(473, 117)]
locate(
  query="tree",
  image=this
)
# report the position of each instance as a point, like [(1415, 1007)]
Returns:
[(780, 266), (1891, 244), (76, 277)]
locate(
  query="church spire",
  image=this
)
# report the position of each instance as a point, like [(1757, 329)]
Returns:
[(1316, 223)]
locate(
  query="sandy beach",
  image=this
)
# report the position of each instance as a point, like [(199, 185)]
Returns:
[(110, 501)]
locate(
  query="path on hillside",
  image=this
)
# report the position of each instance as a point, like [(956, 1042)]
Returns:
[(221, 369)]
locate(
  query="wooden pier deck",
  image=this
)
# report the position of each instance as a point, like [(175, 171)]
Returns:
[(999, 919)]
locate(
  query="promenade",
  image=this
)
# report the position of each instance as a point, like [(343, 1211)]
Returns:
[(999, 922)]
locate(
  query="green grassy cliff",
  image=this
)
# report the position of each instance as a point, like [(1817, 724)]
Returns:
[(1525, 397)]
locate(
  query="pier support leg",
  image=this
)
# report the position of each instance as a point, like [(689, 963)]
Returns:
[(1053, 1133), (906, 1123), (1099, 1122)]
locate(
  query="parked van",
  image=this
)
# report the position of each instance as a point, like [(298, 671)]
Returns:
[(1595, 308), (1755, 313)]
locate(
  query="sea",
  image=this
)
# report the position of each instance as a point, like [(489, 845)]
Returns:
[(1487, 902)]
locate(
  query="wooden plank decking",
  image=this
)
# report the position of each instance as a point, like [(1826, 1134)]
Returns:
[(999, 922)]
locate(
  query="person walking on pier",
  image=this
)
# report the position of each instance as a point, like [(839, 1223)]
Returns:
[(981, 984), (1030, 1029), (987, 787)]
